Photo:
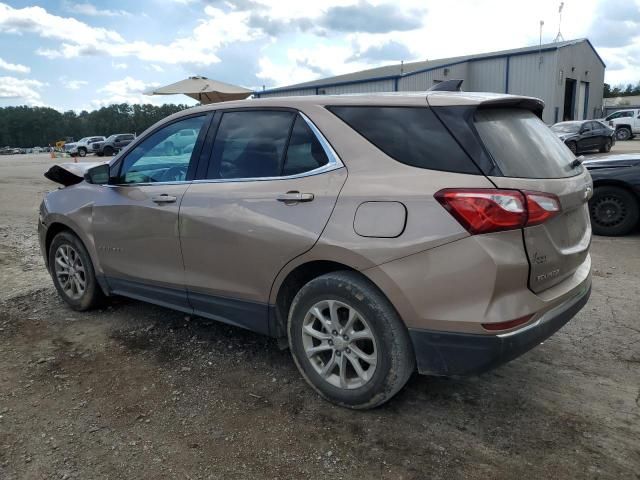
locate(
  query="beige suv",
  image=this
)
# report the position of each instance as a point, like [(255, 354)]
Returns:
[(446, 232)]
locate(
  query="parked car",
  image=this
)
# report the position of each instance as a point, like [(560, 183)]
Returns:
[(615, 205), (442, 249), (81, 147), (626, 123), (585, 135), (112, 144)]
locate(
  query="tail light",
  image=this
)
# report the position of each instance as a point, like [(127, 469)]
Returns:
[(484, 210)]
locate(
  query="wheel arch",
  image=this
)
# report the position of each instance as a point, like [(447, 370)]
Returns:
[(612, 182)]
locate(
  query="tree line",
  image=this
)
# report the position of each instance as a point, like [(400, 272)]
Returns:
[(27, 127), (621, 90)]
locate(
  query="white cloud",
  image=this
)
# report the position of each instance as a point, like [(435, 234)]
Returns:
[(13, 67), (72, 84), (77, 38), (156, 68), (23, 90), (119, 66), (127, 90), (91, 10)]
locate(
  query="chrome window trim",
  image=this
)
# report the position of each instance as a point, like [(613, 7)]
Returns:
[(334, 163)]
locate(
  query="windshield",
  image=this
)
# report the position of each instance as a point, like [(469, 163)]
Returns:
[(566, 127), (523, 146)]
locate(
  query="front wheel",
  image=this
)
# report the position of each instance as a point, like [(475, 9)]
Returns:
[(108, 151), (82, 152), (623, 134), (573, 147), (72, 272), (348, 341), (614, 211)]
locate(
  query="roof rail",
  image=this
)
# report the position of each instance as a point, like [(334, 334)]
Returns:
[(447, 86)]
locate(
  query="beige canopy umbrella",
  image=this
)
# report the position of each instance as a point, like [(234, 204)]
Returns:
[(204, 90)]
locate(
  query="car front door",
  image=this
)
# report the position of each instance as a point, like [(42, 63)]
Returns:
[(586, 139), (135, 219), (269, 189)]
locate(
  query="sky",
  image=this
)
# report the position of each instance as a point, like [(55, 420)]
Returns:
[(81, 55)]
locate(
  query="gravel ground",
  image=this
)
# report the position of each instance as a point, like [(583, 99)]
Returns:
[(137, 391)]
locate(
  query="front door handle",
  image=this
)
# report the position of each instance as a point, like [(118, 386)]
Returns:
[(164, 198), (295, 197)]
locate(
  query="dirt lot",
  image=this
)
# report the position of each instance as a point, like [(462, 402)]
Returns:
[(137, 391)]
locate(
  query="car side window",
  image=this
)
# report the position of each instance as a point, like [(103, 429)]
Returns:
[(586, 127), (157, 158), (250, 144), (304, 152)]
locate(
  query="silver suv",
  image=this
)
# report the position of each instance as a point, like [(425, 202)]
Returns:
[(446, 232)]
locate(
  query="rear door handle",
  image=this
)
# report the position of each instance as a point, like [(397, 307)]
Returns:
[(164, 198), (295, 197)]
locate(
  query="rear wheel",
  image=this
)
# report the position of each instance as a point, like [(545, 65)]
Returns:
[(606, 146), (623, 133), (614, 211), (348, 341), (573, 147), (72, 272)]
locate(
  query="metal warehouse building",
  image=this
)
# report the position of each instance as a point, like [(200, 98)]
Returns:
[(568, 76)]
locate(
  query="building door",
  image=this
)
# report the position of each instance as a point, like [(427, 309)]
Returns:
[(581, 103), (569, 99)]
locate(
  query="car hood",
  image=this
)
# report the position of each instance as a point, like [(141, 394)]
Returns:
[(69, 173)]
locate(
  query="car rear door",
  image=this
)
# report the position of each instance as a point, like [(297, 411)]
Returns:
[(532, 158), (135, 217), (267, 193)]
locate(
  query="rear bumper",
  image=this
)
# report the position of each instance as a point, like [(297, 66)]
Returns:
[(450, 354)]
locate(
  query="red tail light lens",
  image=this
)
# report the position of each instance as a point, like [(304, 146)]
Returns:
[(484, 210), (541, 207)]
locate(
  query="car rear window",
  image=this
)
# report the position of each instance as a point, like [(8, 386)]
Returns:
[(522, 145), (411, 135)]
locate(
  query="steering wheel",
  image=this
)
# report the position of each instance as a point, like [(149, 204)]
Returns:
[(174, 174)]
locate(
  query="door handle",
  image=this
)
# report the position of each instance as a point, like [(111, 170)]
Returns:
[(164, 198), (295, 197)]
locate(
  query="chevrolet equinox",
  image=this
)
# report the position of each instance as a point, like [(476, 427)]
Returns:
[(441, 231)]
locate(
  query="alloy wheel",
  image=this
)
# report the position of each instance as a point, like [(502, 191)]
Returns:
[(339, 344), (70, 271)]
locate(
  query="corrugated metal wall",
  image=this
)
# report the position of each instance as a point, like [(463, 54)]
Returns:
[(487, 76), (368, 87), (425, 80), (580, 63), (289, 93), (528, 75)]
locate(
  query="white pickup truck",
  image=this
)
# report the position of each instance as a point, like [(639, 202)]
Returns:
[(625, 122)]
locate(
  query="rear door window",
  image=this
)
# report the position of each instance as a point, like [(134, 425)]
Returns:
[(522, 145), (250, 144), (304, 153), (411, 135)]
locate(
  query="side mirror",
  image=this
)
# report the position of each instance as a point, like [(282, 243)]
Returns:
[(98, 175)]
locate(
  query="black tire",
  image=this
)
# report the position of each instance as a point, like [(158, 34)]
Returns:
[(82, 152), (606, 146), (393, 348), (623, 133), (108, 151), (100, 154), (573, 146), (614, 211), (92, 295)]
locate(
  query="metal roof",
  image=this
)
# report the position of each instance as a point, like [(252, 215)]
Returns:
[(399, 70)]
